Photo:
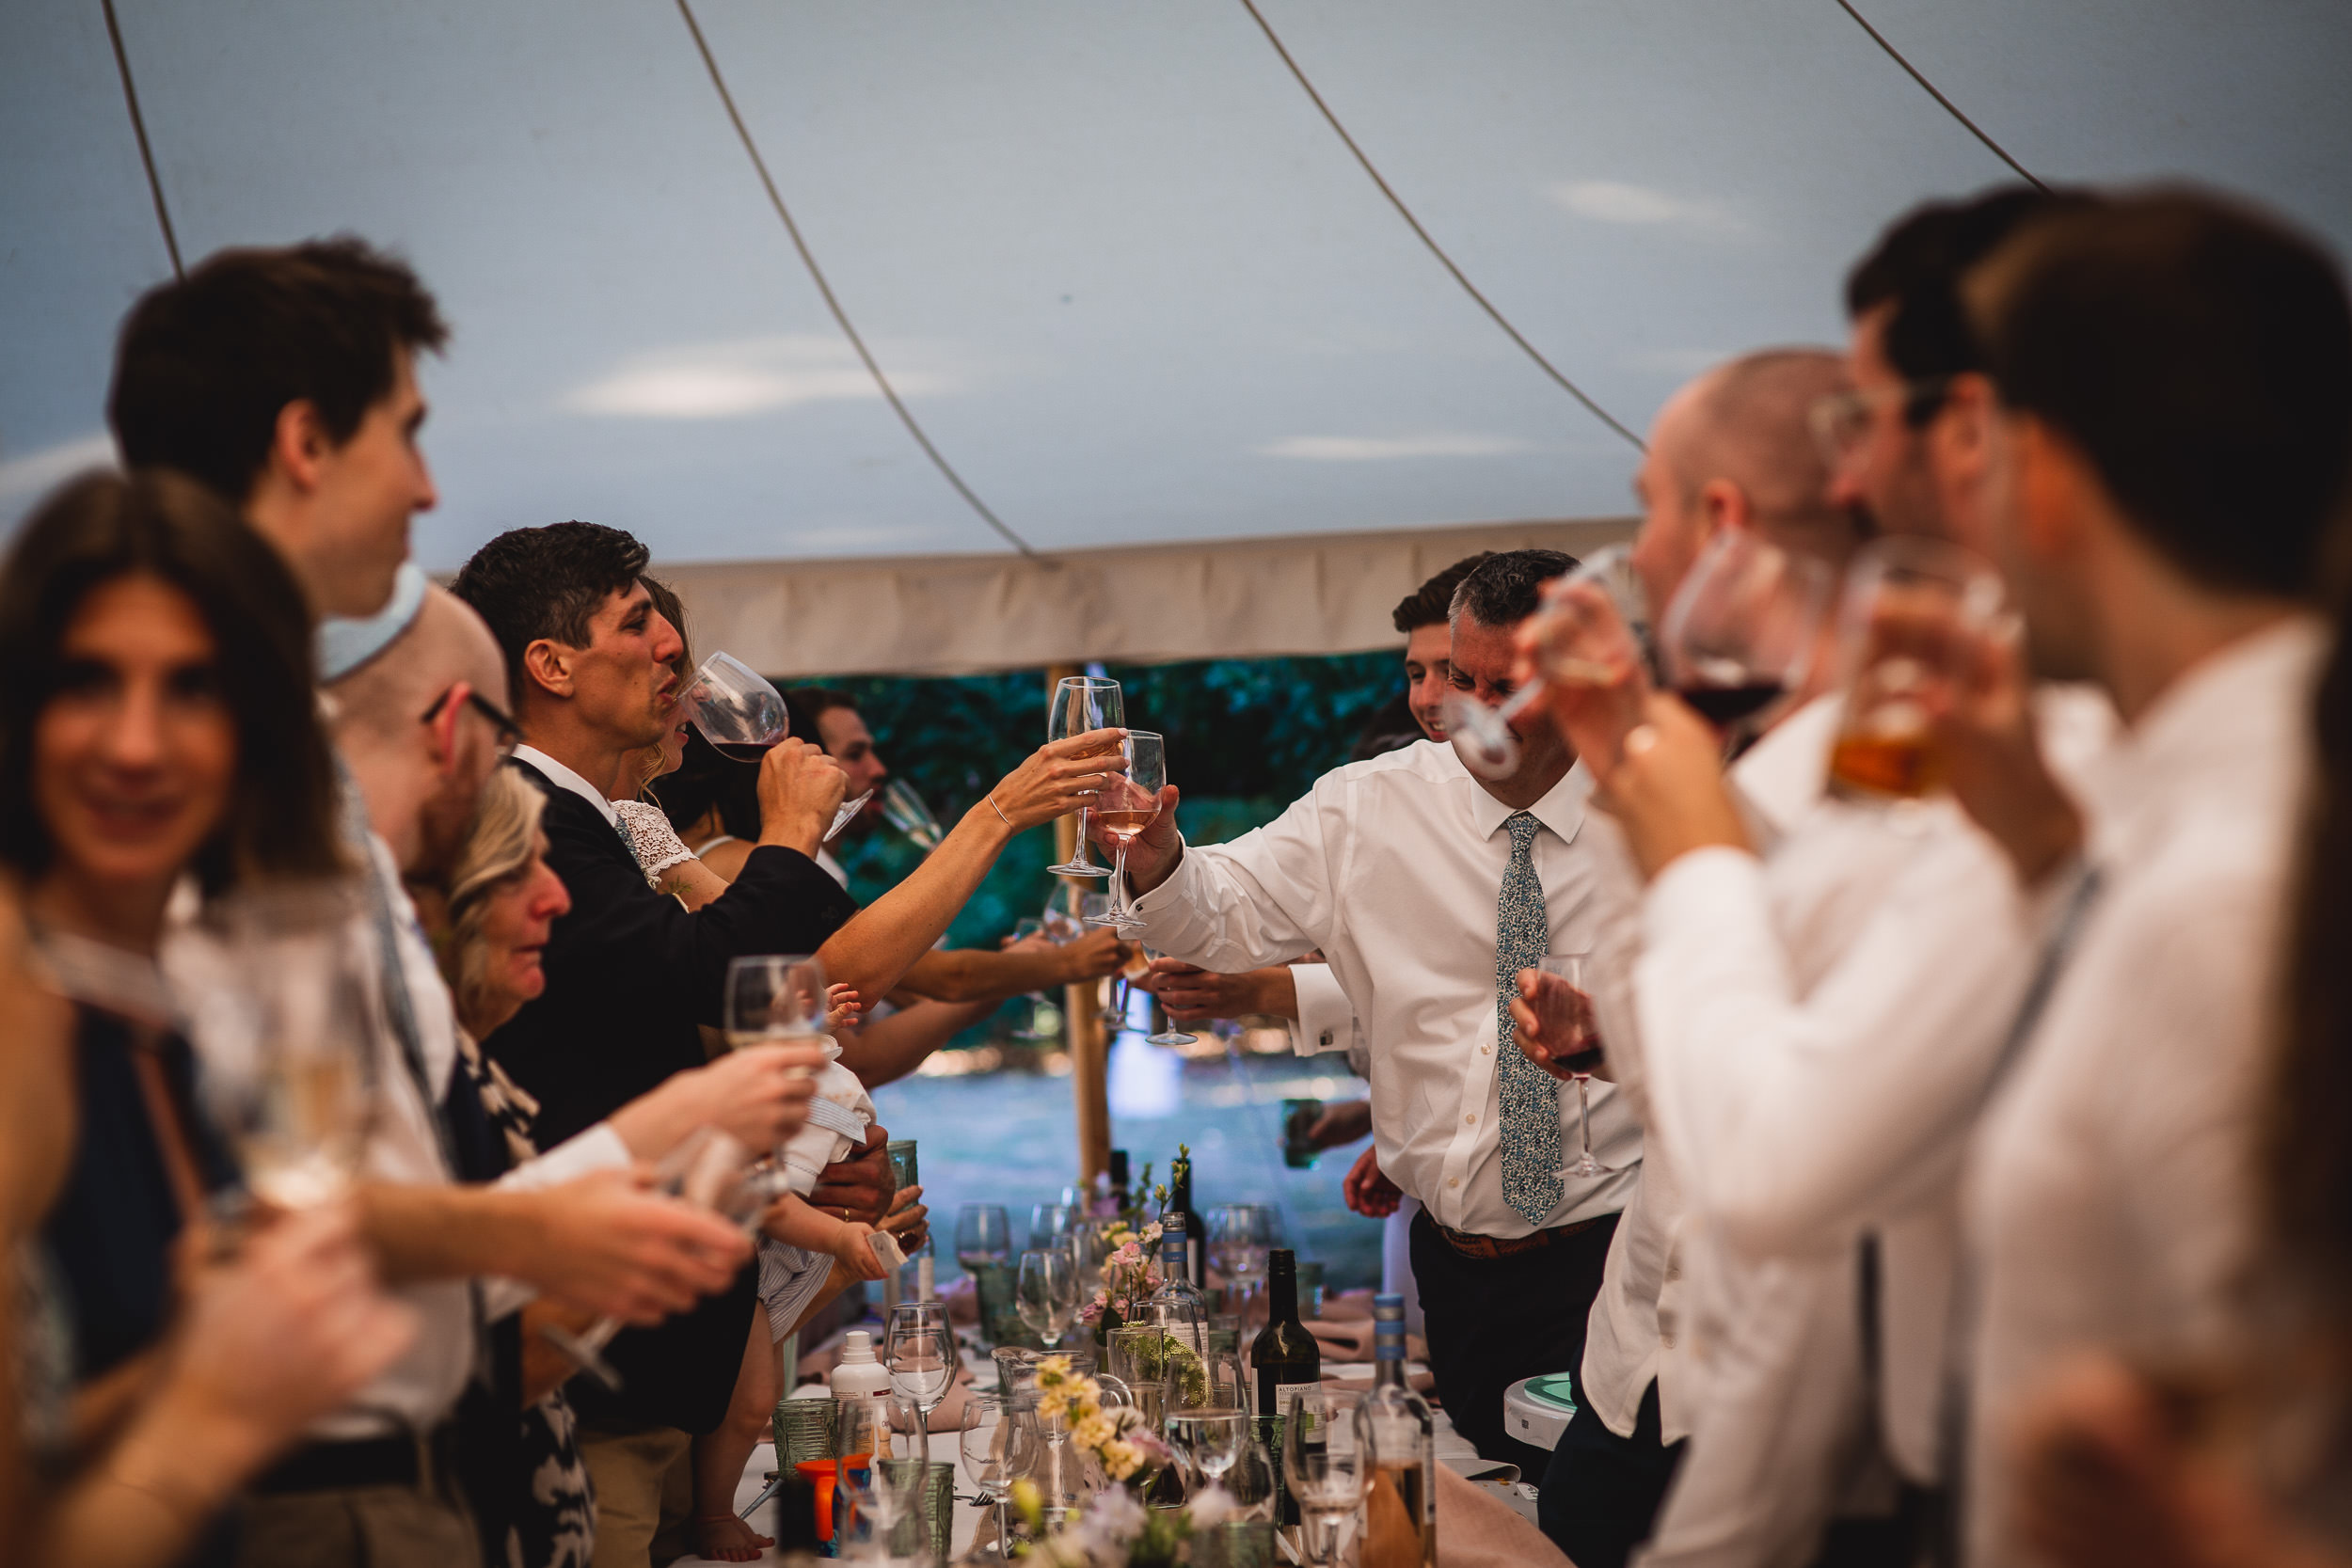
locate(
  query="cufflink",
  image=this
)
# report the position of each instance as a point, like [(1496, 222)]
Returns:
[(1326, 1036)]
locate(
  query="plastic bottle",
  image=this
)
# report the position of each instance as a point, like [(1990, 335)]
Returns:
[(860, 1397)]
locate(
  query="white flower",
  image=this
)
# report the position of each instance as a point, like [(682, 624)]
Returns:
[(1213, 1507)]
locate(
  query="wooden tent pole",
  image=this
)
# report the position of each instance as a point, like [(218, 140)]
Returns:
[(1082, 1013)]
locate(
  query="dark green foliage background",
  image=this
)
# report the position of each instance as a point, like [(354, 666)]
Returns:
[(1244, 738)]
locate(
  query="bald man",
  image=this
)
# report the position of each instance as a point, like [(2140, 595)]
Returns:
[(1730, 449), (419, 726)]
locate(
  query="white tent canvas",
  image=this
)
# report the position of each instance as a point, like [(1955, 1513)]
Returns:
[(1122, 272)]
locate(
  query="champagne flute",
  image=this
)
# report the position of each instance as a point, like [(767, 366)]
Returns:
[(288, 1041), (1739, 638), (708, 1169), (1127, 804), (1571, 967), (742, 714), (1083, 703), (1047, 1293)]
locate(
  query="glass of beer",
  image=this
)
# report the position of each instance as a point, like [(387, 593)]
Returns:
[(1912, 604)]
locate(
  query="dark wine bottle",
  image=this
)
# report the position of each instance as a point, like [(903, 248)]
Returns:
[(1119, 1180), (1287, 1361), (1196, 1233)]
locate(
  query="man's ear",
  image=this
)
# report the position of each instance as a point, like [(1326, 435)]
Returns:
[(548, 664), (299, 445), (1722, 504), (441, 735)]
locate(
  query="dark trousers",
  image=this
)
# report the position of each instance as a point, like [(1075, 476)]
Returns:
[(1494, 1320), (1601, 1492)]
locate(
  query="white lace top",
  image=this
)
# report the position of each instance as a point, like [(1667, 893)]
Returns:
[(651, 838)]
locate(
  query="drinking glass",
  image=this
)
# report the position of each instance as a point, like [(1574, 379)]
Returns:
[(1170, 1033), (1240, 1235), (1571, 967), (743, 714), (1047, 1293), (288, 1042), (773, 999), (1127, 804), (1327, 1470), (920, 1352), (1209, 1438), (708, 1169), (1083, 703), (983, 1234), (904, 810), (1739, 637), (1912, 606)]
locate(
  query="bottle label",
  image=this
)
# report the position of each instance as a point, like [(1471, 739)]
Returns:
[(1282, 1393)]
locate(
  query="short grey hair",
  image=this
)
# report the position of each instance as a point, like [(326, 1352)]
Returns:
[(1506, 588)]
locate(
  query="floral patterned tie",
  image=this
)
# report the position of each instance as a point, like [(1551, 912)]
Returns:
[(1531, 1095)]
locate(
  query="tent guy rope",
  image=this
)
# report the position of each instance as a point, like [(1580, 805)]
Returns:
[(138, 129), (1435, 248), (816, 276), (1950, 107)]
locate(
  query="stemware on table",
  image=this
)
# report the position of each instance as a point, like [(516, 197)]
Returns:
[(1080, 704), (983, 1235), (1046, 1292), (1240, 1237), (1328, 1469)]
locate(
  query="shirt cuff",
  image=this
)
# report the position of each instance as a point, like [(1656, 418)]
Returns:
[(597, 1148), (1167, 893), (1326, 1020)]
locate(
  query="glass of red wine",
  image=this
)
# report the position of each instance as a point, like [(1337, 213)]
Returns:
[(1743, 631), (1579, 1064), (741, 713)]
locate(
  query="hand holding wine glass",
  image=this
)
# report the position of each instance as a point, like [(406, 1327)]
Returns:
[(1568, 969), (1745, 631), (1080, 706), (800, 791), (1057, 779), (1129, 802)]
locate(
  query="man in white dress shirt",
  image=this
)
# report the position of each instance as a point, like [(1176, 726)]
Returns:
[(1428, 889), (2178, 376), (1729, 451)]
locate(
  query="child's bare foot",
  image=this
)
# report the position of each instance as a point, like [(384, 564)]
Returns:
[(724, 1538)]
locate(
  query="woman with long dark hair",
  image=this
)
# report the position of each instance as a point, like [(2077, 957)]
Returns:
[(157, 725)]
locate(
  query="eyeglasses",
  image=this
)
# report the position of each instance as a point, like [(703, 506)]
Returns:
[(1842, 420), (509, 735)]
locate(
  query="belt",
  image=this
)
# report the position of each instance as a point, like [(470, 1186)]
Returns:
[(410, 1459), (1511, 1246)]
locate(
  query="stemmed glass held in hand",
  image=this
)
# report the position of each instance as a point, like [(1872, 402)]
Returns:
[(1083, 703), (1739, 638), (1579, 1064), (1480, 736), (1046, 1292), (1127, 804), (1170, 1033), (773, 999), (708, 1169), (741, 713)]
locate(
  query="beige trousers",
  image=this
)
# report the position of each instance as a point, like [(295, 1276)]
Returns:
[(644, 1493), (384, 1526)]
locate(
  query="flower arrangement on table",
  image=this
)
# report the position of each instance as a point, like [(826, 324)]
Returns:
[(1128, 1275), (1117, 1437), (1117, 1531)]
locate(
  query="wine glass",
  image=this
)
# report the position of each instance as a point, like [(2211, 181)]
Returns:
[(1048, 1220), (773, 999), (1328, 1469), (708, 1169), (904, 810), (1739, 638), (285, 1024), (998, 1444), (920, 1352), (1170, 1033), (1083, 703), (1126, 804), (1572, 967), (1480, 736), (1240, 1235), (983, 1235), (1211, 1435), (1046, 1292), (742, 714)]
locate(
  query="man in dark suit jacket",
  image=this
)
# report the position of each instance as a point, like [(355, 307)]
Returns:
[(630, 972)]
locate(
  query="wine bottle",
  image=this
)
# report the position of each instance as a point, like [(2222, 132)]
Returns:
[(1287, 1361), (1179, 1202), (1118, 1181), (1393, 1423)]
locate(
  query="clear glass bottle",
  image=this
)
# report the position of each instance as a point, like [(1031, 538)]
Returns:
[(1394, 1422), (1181, 1313)]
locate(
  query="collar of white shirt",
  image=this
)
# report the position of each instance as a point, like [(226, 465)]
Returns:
[(564, 778), (1562, 809)]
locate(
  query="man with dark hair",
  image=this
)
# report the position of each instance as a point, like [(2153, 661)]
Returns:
[(629, 971), (286, 380), (1428, 889), (2176, 374), (1423, 616)]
